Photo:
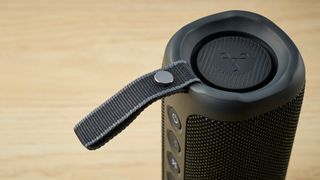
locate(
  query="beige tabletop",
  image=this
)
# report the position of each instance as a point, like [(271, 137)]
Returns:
[(60, 59)]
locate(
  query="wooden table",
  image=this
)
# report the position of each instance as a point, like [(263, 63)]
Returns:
[(60, 59)]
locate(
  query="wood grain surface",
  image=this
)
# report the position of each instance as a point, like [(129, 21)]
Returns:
[(60, 59)]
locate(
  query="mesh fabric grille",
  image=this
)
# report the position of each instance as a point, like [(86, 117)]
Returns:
[(257, 148)]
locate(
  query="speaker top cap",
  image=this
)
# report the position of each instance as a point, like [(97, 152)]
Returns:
[(252, 66), (234, 63)]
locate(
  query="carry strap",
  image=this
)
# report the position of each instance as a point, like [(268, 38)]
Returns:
[(110, 118)]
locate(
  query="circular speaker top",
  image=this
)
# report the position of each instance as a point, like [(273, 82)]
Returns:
[(234, 63), (247, 65)]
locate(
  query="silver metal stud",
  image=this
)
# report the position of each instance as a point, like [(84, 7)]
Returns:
[(163, 78)]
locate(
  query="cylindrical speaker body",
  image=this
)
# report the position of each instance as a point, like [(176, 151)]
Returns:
[(240, 122)]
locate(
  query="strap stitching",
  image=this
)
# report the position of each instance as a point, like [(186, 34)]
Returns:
[(122, 119), (124, 88), (139, 106)]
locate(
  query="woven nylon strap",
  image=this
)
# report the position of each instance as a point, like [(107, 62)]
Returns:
[(110, 118)]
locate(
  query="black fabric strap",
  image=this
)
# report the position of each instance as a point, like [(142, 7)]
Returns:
[(110, 118)]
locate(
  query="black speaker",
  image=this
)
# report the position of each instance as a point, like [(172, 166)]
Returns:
[(240, 122), (232, 86)]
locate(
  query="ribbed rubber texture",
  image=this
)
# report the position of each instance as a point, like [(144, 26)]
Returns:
[(255, 149), (234, 63), (118, 112)]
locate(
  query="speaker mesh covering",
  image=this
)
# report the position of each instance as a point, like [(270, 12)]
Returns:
[(257, 148)]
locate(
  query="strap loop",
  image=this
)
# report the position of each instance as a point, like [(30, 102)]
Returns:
[(114, 115)]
